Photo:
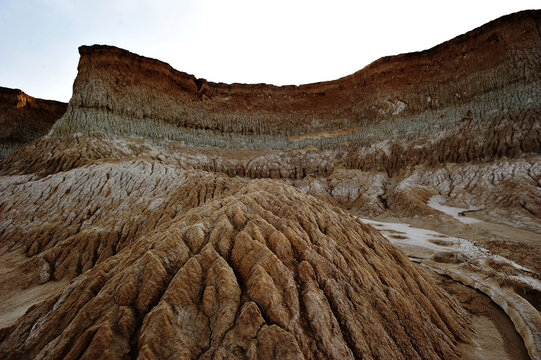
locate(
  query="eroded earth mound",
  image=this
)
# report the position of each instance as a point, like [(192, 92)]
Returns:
[(183, 264)]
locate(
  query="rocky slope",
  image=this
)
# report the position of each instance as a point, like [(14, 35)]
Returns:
[(24, 118)]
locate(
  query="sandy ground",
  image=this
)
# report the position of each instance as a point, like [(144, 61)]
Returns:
[(495, 338), (519, 245), (15, 303), (15, 298)]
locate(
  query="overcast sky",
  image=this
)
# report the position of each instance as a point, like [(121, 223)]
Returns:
[(278, 42)]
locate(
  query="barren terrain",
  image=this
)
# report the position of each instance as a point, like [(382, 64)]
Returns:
[(392, 213)]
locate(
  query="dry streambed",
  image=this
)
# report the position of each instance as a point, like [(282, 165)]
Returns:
[(474, 266)]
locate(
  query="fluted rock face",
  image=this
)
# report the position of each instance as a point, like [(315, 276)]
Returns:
[(212, 268), (472, 99), (491, 71), (24, 118)]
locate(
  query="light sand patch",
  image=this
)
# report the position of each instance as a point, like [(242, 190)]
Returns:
[(15, 304), (436, 202)]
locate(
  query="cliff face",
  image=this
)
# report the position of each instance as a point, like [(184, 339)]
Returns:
[(490, 71), (24, 118), (474, 99)]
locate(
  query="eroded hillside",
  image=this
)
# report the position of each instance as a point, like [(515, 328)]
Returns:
[(214, 268)]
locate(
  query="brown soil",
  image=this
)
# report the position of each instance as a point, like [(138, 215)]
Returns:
[(519, 245)]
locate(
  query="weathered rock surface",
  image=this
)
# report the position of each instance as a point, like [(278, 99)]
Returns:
[(467, 78), (506, 189), (200, 265), (24, 118)]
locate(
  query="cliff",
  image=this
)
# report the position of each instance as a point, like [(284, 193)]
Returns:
[(24, 118), (489, 72), (473, 100)]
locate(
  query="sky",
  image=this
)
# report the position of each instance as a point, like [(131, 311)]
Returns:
[(279, 42)]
